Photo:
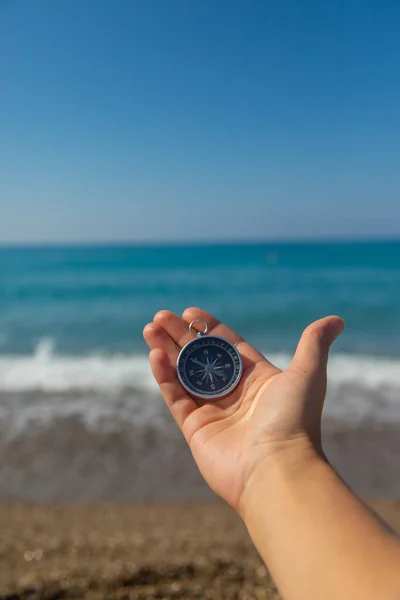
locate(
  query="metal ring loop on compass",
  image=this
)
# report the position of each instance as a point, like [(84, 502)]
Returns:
[(198, 333)]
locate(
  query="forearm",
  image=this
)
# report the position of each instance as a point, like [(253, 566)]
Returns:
[(317, 538)]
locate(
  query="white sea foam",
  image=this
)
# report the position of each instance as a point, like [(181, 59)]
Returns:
[(360, 387), (49, 372)]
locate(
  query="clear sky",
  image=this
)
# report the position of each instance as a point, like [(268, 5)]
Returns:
[(135, 120)]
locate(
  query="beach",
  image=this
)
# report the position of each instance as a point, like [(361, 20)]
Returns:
[(132, 551), (78, 545)]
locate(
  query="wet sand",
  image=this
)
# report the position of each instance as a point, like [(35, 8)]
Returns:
[(129, 551), (69, 460)]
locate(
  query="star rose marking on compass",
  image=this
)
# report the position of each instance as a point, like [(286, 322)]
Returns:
[(209, 369)]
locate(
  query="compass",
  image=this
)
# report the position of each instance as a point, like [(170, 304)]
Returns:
[(209, 366)]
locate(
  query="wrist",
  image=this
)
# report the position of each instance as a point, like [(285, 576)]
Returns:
[(288, 462)]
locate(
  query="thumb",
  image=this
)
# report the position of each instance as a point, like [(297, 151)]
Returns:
[(312, 352)]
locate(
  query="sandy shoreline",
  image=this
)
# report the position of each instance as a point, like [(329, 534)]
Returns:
[(120, 551)]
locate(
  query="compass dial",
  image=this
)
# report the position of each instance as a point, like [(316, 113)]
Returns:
[(209, 367)]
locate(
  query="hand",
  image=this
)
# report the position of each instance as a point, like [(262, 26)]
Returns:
[(270, 413)]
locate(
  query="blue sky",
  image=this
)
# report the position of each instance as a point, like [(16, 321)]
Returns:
[(177, 119)]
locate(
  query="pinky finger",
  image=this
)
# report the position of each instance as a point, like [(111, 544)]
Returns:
[(177, 400)]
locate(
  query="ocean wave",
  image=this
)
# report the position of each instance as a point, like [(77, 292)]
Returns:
[(46, 385), (47, 371)]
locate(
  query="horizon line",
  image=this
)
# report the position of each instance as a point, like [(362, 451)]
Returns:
[(199, 242)]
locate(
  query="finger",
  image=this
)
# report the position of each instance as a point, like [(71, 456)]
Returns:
[(312, 352), (174, 326), (156, 337), (177, 400), (217, 328)]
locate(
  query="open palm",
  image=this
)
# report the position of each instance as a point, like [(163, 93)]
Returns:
[(269, 408)]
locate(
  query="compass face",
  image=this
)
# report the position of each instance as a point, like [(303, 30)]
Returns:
[(209, 367)]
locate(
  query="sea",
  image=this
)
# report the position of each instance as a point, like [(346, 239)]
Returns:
[(81, 417)]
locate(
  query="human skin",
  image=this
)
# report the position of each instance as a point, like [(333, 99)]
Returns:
[(260, 450)]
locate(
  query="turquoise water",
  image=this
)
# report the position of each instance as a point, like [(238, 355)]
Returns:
[(98, 299)]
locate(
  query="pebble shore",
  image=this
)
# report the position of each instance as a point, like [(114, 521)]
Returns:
[(113, 551)]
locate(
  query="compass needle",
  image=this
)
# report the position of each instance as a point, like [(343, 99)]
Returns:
[(198, 362)]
